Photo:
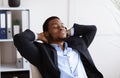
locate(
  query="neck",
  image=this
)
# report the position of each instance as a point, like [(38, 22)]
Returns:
[(61, 44)]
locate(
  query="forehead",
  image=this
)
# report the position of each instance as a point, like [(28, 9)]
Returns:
[(55, 21)]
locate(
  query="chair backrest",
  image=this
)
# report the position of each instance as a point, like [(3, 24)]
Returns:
[(35, 72)]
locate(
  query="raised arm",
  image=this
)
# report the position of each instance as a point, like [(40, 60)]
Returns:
[(24, 44), (86, 32)]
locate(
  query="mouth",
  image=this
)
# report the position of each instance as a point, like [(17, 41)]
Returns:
[(62, 32)]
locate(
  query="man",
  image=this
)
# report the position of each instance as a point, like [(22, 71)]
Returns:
[(63, 53)]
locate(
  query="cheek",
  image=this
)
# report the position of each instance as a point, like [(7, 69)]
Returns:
[(53, 34)]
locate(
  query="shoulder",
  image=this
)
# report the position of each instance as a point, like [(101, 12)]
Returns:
[(42, 45)]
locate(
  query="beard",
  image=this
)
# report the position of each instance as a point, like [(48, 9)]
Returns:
[(59, 39)]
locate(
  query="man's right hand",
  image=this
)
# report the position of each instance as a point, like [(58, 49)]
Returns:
[(42, 37)]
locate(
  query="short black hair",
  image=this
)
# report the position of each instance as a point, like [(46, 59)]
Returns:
[(45, 24)]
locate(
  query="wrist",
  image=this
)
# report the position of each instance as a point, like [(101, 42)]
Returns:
[(42, 37), (68, 33), (39, 36)]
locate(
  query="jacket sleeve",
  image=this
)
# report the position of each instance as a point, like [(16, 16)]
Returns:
[(24, 44), (86, 32)]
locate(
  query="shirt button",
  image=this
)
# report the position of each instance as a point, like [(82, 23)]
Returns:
[(68, 56), (76, 76), (64, 62)]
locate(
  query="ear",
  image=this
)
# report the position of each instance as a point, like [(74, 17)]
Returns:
[(46, 34)]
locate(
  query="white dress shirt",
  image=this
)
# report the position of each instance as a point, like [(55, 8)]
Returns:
[(69, 63)]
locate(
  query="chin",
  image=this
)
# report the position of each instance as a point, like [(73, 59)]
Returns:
[(62, 36), (62, 39)]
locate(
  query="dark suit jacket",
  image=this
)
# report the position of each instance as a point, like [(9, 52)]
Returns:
[(44, 56)]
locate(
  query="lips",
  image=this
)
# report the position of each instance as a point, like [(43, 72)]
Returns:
[(63, 32)]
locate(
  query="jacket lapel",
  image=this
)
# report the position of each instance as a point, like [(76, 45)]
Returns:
[(85, 53), (54, 55)]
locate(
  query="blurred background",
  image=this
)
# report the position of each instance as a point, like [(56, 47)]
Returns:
[(105, 14)]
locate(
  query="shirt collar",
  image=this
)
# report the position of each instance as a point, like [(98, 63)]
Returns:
[(56, 45)]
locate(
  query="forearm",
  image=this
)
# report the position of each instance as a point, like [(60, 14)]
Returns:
[(87, 32), (27, 34), (82, 30), (26, 47)]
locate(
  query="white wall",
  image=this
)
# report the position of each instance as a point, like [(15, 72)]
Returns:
[(105, 51), (42, 9), (105, 48), (97, 12)]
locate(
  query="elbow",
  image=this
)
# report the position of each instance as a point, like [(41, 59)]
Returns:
[(17, 39), (94, 28)]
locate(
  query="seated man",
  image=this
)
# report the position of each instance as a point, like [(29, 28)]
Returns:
[(63, 53)]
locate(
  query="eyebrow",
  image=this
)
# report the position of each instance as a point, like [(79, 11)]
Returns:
[(57, 23)]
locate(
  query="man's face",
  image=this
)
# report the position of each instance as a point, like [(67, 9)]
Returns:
[(56, 30)]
